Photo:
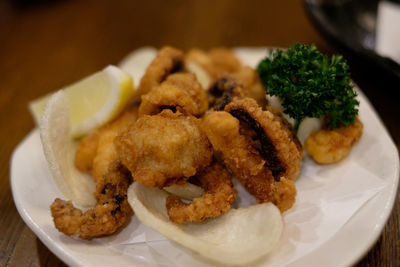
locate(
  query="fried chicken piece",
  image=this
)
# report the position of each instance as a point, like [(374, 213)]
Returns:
[(328, 146), (169, 60), (165, 147), (111, 211), (217, 198), (271, 137), (179, 91), (96, 152), (245, 161)]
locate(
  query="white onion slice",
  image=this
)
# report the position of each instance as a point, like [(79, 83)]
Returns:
[(59, 150), (237, 237)]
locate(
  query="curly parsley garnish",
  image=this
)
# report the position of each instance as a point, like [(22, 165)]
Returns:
[(310, 85)]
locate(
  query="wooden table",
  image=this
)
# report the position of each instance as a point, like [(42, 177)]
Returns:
[(47, 45)]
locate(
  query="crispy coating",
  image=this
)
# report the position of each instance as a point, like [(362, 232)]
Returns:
[(164, 147), (86, 152), (245, 161), (223, 91), (217, 62), (106, 153), (283, 194), (220, 64), (111, 211), (188, 82), (225, 60), (167, 96), (179, 91), (329, 146), (252, 87), (217, 198), (168, 61), (273, 138), (96, 152)]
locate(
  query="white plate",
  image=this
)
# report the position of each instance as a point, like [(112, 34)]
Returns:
[(34, 190)]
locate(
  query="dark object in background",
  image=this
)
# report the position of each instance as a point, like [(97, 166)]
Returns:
[(350, 24), (25, 4)]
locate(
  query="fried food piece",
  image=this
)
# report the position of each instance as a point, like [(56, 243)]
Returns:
[(216, 63), (111, 211), (271, 137), (163, 148), (167, 96), (106, 153), (328, 146), (169, 60), (244, 160), (188, 82), (96, 152), (179, 91), (244, 83), (252, 87), (221, 63), (86, 152), (223, 92), (283, 194), (224, 60), (217, 198), (198, 62)]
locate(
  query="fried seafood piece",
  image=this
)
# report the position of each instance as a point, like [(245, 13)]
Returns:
[(180, 91), (244, 83), (167, 96), (221, 63), (217, 198), (111, 211), (271, 137), (198, 62), (251, 83), (328, 146), (223, 92), (86, 152), (168, 60), (164, 148), (188, 82), (245, 161), (97, 151), (225, 60), (210, 66)]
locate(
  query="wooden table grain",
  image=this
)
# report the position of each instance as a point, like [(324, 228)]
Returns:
[(45, 45)]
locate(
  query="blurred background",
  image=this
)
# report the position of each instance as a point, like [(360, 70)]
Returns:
[(45, 45)]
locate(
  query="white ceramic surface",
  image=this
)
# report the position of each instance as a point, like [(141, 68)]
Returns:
[(34, 190)]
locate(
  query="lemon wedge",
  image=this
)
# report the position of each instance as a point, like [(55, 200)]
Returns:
[(93, 101)]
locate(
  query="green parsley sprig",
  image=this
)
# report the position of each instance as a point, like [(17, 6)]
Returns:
[(310, 85)]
